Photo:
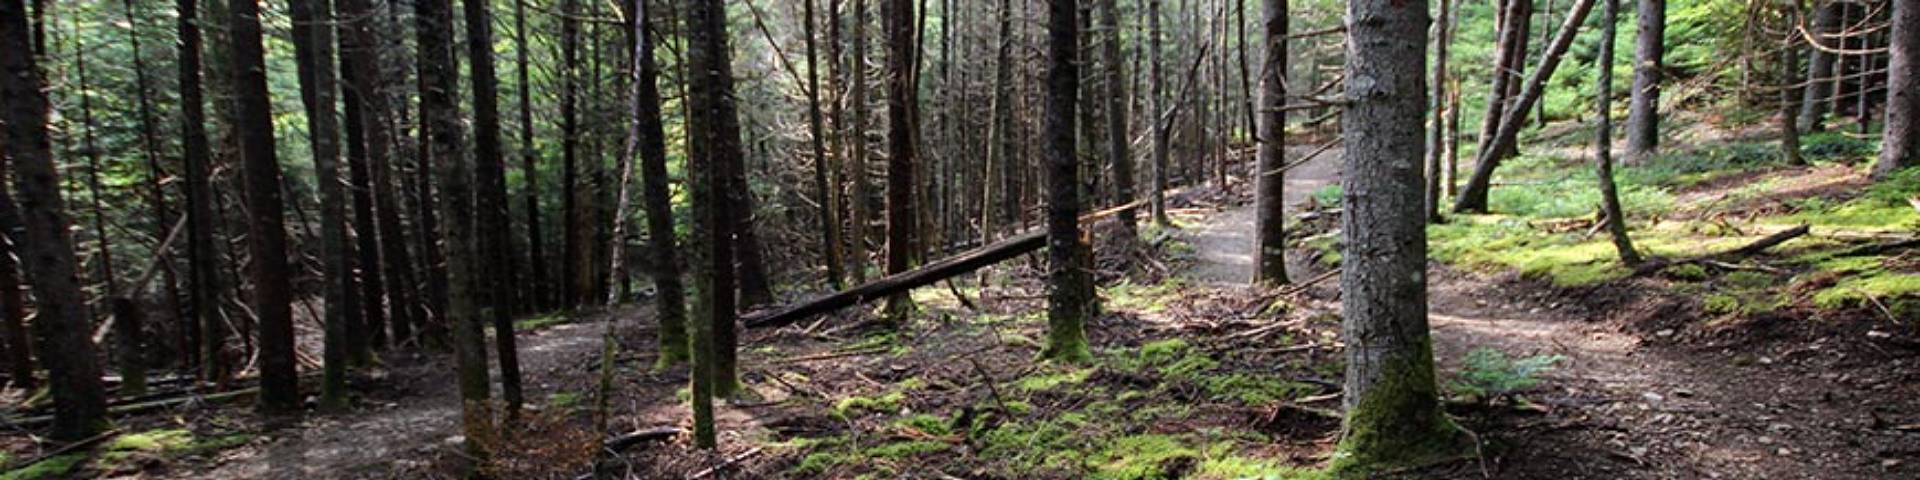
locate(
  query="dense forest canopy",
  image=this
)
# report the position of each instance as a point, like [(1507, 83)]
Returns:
[(802, 238)]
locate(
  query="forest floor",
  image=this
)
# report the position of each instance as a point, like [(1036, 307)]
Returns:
[(1769, 367)]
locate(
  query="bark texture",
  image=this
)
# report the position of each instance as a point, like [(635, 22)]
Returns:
[(1603, 140), (1643, 113), (1270, 205), (1069, 277), (266, 215), (1900, 144)]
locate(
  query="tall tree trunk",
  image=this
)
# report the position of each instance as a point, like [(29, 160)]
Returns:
[(371, 331), (715, 130), (91, 149), (1001, 139), (1069, 281), (570, 250), (1501, 145), (1118, 100), (492, 260), (13, 296), (902, 103), (1510, 56), (536, 288), (1270, 236), (822, 164), (1790, 87), (1156, 87), (266, 215), (203, 257), (1603, 139), (156, 198), (61, 322), (361, 50), (1819, 88), (313, 50), (1392, 400), (857, 165), (669, 294), (1643, 115), (440, 113), (1442, 39), (1900, 144)]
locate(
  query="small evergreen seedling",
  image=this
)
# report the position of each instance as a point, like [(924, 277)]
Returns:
[(1488, 375)]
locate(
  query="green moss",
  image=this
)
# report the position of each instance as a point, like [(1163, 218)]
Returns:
[(1720, 303), (1397, 423), (541, 322), (1149, 298), (1031, 446), (1868, 286), (1221, 462), (1686, 271), (59, 466), (563, 400), (887, 403), (1139, 457), (1048, 380), (151, 441), (924, 423), (819, 462), (1160, 351), (900, 450), (1252, 389)]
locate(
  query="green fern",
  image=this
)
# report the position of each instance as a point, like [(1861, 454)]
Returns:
[(1487, 375)]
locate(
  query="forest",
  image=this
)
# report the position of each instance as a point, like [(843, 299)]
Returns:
[(959, 239)]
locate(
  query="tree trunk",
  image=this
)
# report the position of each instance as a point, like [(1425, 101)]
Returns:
[(1270, 236), (1442, 39), (492, 260), (1069, 277), (1156, 87), (266, 215), (1643, 116), (13, 297), (1000, 148), (1510, 56), (1790, 88), (822, 164), (1819, 88), (1603, 139), (371, 331), (1392, 400), (715, 131), (537, 296), (362, 52), (857, 167), (1900, 146), (1119, 101), (1501, 145), (203, 258), (61, 322), (313, 51), (440, 113), (570, 251), (669, 294), (156, 190), (902, 101)]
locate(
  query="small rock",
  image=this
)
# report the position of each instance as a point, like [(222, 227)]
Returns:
[(1651, 397), (1783, 451), (1764, 440), (1664, 332), (1878, 334), (1638, 451), (1683, 393), (455, 440), (1890, 463), (1766, 360)]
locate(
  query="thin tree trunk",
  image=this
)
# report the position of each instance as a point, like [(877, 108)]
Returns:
[(669, 294), (1501, 146), (902, 102), (203, 257), (857, 167), (1069, 278), (1118, 101), (91, 149), (313, 51), (371, 331), (366, 80), (1156, 86), (1270, 236), (536, 288), (570, 250), (1603, 141), (1812, 115), (156, 194), (492, 258), (13, 296), (1900, 147), (61, 322), (1442, 38), (1790, 89), (440, 113), (822, 164), (1393, 408), (1510, 56), (266, 222), (1643, 116), (715, 128)]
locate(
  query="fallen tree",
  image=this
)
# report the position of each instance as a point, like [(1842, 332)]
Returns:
[(1749, 249), (919, 277)]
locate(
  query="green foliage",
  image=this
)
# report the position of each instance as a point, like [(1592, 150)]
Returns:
[(1141, 457), (886, 403), (563, 400), (540, 322), (58, 466), (1048, 380), (1328, 196), (1147, 298), (1834, 145), (1487, 374)]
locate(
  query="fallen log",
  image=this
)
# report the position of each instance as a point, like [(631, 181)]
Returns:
[(919, 277), (627, 440), (1749, 249), (137, 408)]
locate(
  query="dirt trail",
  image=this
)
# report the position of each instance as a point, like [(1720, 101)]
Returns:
[(1617, 407), (416, 411)]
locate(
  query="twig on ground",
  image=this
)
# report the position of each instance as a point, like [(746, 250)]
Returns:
[(724, 465)]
